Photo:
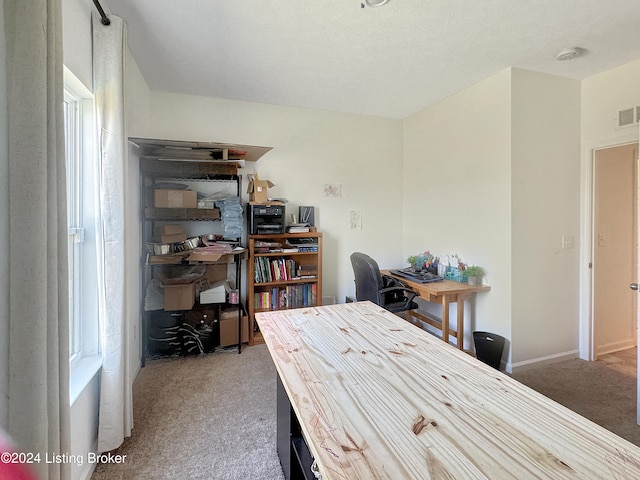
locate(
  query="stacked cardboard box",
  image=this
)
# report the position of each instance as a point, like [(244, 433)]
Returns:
[(166, 198), (229, 327)]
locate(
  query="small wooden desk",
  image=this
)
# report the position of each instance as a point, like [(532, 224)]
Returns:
[(377, 398), (445, 292)]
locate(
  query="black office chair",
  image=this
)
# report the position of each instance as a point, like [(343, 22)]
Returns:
[(388, 292), (489, 348)]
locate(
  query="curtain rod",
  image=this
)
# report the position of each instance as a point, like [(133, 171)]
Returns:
[(105, 19)]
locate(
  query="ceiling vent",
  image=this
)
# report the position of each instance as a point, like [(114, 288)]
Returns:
[(628, 116)]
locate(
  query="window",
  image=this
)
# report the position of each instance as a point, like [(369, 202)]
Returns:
[(80, 160)]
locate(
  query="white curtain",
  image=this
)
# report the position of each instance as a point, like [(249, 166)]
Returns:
[(116, 409), (38, 273)]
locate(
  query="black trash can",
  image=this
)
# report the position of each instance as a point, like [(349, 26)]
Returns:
[(489, 348)]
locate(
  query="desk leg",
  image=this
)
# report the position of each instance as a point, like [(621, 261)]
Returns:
[(293, 452), (283, 428), (460, 335), (445, 318)]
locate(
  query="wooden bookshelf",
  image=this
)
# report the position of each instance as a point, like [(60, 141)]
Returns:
[(284, 271)]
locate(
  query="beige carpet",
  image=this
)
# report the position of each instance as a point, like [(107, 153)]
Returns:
[(205, 417), (213, 417), (604, 391)]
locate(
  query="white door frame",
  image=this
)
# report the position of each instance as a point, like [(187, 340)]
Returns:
[(637, 280), (585, 310)]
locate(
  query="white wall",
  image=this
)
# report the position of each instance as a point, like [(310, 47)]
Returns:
[(456, 191), (311, 148), (545, 203), (84, 429), (4, 234), (602, 96), (492, 174), (76, 39)]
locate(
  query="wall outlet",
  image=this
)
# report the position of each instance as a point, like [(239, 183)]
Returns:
[(567, 241)]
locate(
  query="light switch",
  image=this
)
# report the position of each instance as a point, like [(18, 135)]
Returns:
[(355, 220)]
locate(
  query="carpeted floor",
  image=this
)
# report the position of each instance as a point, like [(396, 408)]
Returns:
[(604, 391), (214, 416), (206, 417)]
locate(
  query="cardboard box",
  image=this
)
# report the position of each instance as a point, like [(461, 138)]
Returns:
[(196, 257), (229, 329), (180, 297), (168, 229), (257, 189), (216, 293), (175, 198), (216, 272), (173, 238)]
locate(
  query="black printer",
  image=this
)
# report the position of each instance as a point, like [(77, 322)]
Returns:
[(265, 219)]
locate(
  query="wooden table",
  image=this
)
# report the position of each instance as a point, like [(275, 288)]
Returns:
[(445, 293), (378, 398)]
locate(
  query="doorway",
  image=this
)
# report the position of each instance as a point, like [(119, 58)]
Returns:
[(615, 249)]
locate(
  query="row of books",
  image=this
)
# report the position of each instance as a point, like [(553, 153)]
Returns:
[(291, 296), (280, 269), (273, 269)]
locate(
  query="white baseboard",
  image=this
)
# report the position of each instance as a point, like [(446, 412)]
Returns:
[(329, 300), (525, 365), (136, 371), (88, 472), (615, 347)]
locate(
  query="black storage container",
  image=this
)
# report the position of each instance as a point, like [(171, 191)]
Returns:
[(489, 348)]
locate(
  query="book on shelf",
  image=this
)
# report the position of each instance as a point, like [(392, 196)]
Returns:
[(263, 243), (299, 228), (297, 242), (273, 270), (307, 271), (304, 244), (289, 296), (261, 246)]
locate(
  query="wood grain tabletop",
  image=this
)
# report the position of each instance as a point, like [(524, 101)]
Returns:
[(378, 398)]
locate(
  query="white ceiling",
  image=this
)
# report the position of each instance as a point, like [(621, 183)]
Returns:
[(389, 61)]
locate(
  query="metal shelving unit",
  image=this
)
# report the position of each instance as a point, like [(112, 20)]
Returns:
[(209, 164)]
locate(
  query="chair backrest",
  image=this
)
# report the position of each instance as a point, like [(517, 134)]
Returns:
[(367, 276), (489, 348)]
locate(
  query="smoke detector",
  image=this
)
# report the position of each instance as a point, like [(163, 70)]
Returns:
[(568, 53), (376, 3)]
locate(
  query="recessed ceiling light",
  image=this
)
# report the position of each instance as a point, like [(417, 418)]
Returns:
[(376, 3), (568, 53)]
